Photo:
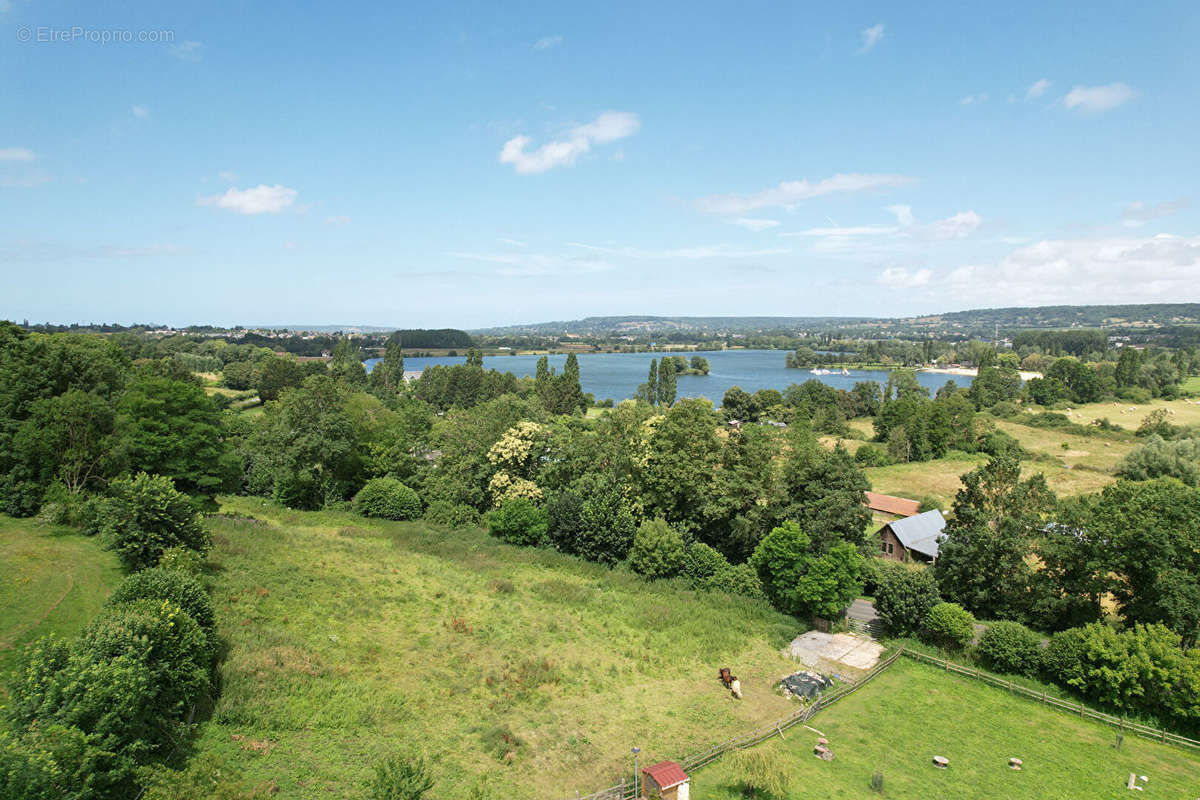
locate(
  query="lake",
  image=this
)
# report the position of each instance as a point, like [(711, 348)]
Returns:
[(617, 375)]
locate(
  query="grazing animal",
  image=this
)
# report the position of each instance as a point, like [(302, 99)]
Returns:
[(725, 676), (735, 686)]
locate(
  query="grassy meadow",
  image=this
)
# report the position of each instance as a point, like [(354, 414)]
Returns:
[(912, 712), (518, 672), (52, 580)]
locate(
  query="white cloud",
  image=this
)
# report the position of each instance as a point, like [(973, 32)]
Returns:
[(141, 112), (901, 278), (686, 253), (1138, 213), (188, 51), (972, 99), (16, 154), (1162, 268), (846, 232), (788, 193), (512, 242), (262, 199), (546, 42), (752, 224), (227, 176), (1099, 98), (1037, 89), (871, 37), (339, 219), (959, 226), (608, 127), (903, 214)]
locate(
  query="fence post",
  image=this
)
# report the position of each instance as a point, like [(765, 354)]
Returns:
[(1081, 709)]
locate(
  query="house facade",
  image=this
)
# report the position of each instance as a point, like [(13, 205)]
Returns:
[(915, 538)]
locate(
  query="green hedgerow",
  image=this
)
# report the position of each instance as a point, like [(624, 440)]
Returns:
[(1010, 647), (160, 583), (144, 516), (949, 625), (519, 521), (658, 550)]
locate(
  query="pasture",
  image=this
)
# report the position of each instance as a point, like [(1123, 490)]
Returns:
[(912, 712), (518, 672)]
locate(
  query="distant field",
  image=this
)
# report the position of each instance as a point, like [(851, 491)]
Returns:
[(913, 712), (1192, 384), (51, 581), (350, 640), (1130, 415)]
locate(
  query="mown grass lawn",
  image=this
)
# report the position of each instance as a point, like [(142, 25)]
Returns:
[(518, 672), (52, 580), (912, 712)]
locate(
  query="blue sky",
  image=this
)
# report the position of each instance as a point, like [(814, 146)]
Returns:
[(472, 164)]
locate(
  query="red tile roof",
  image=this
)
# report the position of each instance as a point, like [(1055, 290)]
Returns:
[(888, 504), (666, 774)]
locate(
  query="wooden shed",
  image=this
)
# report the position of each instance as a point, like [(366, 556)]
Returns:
[(912, 538), (665, 780)]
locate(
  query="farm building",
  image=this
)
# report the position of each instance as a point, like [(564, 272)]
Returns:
[(665, 780), (887, 504), (912, 538)]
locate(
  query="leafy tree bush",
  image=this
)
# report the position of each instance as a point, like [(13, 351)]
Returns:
[(1158, 458), (702, 562), (658, 550), (949, 625), (387, 498), (1010, 647), (1064, 654), (904, 596), (518, 521), (868, 455), (400, 778), (761, 771), (144, 516), (592, 519), (800, 581), (452, 515), (181, 559), (160, 583), (736, 579)]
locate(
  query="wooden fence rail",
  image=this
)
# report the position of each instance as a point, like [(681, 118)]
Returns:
[(625, 789)]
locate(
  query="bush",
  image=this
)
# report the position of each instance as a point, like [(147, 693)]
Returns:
[(181, 559), (400, 778), (949, 625), (658, 550), (1004, 409), (591, 519), (387, 498), (160, 584), (145, 516), (1010, 647), (452, 515), (761, 770), (868, 455), (702, 562), (518, 521), (737, 579), (904, 596), (1064, 655)]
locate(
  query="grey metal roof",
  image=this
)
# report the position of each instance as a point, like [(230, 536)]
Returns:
[(920, 533)]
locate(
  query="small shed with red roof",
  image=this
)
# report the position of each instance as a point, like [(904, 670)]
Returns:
[(665, 780)]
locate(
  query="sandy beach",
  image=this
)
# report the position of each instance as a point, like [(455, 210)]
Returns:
[(970, 372)]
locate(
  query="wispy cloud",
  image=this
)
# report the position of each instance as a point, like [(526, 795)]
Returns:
[(546, 42), (188, 51), (54, 251), (958, 226), (608, 127), (906, 235), (512, 242), (684, 253), (1037, 89), (973, 99), (262, 199), (141, 112), (1138, 213), (848, 232), (901, 278), (24, 181), (1099, 98), (870, 37), (751, 224), (16, 154), (789, 193)]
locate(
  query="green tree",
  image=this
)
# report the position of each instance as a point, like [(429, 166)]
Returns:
[(591, 519), (677, 473), (570, 392), (388, 374), (172, 428), (145, 515), (739, 404), (904, 596), (824, 491), (276, 374), (666, 383), (949, 625), (744, 502), (387, 498), (1157, 458), (658, 550), (518, 521), (981, 563), (67, 438), (800, 581), (1010, 647)]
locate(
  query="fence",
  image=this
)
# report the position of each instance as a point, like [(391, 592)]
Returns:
[(625, 789), (1077, 709)]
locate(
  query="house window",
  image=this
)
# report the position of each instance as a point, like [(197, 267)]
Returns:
[(891, 547), (883, 547)]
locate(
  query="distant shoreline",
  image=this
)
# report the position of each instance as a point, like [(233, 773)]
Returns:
[(970, 372)]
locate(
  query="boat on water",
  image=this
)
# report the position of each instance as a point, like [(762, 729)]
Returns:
[(821, 372), (845, 371)]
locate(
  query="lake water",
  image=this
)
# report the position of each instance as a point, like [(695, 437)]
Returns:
[(617, 375)]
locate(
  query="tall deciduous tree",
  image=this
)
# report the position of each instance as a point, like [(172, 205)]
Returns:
[(388, 374), (666, 382), (824, 491), (800, 579)]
